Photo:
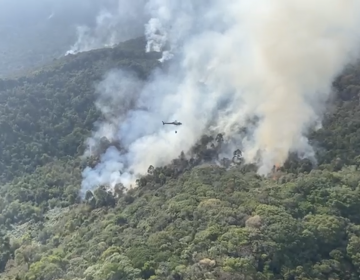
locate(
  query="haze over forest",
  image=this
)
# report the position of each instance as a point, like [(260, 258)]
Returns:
[(261, 180), (34, 32)]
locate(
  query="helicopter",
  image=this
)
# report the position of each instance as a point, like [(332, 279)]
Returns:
[(173, 123)]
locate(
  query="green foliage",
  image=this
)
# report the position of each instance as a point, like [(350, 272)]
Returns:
[(48, 113)]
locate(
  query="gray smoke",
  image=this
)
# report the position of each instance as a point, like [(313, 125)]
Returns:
[(274, 60), (118, 22), (117, 94)]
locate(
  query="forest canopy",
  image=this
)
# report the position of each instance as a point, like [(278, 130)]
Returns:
[(191, 219)]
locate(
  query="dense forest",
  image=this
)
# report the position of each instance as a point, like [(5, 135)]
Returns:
[(190, 219)]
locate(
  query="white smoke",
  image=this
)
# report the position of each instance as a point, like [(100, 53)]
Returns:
[(232, 61), (117, 93), (113, 25)]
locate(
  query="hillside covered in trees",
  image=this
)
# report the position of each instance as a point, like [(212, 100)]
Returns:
[(189, 220)]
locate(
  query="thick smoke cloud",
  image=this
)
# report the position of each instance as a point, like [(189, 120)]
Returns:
[(231, 61), (117, 93), (117, 21)]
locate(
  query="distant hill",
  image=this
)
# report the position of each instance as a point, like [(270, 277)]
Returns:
[(34, 32), (43, 44)]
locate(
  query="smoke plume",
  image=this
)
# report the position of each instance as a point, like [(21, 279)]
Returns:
[(115, 23), (230, 61)]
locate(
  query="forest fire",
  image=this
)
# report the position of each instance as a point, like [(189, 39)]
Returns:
[(275, 171), (277, 167)]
